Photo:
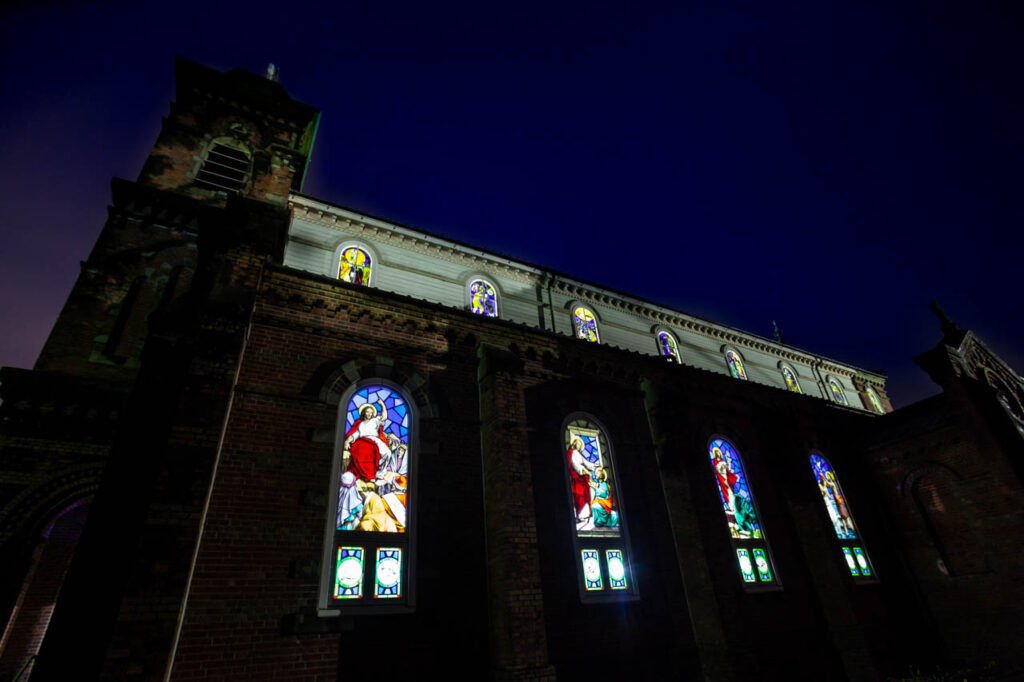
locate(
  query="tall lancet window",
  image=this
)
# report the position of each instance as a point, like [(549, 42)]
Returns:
[(584, 323), (753, 557), (838, 508), (355, 266), (602, 548), (735, 362), (483, 298), (367, 555), (668, 346)]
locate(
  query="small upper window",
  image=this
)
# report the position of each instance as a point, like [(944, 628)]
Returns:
[(790, 376), (355, 266), (735, 362), (483, 298), (585, 323), (837, 391), (668, 346), (226, 166), (875, 402)]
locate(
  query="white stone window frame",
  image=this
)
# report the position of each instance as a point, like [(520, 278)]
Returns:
[(656, 331), (498, 293), (726, 348), (571, 307), (335, 267), (371, 541), (783, 364)]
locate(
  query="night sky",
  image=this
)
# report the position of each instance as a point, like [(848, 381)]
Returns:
[(830, 168)]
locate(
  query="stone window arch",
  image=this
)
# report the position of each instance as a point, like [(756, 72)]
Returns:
[(835, 390), (790, 377), (735, 362), (225, 165), (667, 343)]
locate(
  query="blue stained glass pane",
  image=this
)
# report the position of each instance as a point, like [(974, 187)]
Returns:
[(746, 567), (735, 365), (832, 495), (737, 502), (837, 392), (763, 569), (483, 299), (592, 579), (388, 573), (348, 576)]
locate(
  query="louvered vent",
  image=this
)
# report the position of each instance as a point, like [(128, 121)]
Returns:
[(225, 169)]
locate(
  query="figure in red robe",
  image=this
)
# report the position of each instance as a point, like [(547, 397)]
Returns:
[(579, 483), (367, 444)]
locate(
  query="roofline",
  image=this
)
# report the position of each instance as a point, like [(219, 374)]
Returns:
[(553, 273)]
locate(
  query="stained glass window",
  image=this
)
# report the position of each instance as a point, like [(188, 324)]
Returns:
[(791, 382), (483, 298), (355, 266), (741, 515), (596, 514), (372, 523), (585, 324), (875, 402), (851, 545), (735, 364), (837, 391), (668, 346)]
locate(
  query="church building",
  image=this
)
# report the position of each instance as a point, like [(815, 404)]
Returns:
[(275, 438)]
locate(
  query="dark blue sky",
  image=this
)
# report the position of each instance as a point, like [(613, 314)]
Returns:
[(829, 168)]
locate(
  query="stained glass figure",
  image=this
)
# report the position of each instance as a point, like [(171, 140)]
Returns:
[(746, 567), (591, 483), (837, 391), (592, 570), (355, 266), (734, 491), (735, 364), (483, 299), (835, 501), (388, 576), (791, 382), (585, 324), (668, 346), (374, 486), (875, 402), (616, 569), (348, 574)]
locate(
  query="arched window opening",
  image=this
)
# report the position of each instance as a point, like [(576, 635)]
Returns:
[(837, 391), (838, 508), (668, 346), (791, 382), (735, 362), (483, 298), (226, 166), (875, 402), (600, 536), (355, 266), (367, 558), (745, 529), (585, 323)]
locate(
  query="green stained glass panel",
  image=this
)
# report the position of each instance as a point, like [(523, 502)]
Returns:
[(592, 579), (388, 574), (746, 567), (348, 574), (616, 569)]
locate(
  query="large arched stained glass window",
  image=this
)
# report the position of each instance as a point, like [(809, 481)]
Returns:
[(668, 346), (790, 376), (483, 298), (837, 391), (745, 529), (599, 526), (584, 322), (369, 556), (839, 514), (355, 266), (735, 362)]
